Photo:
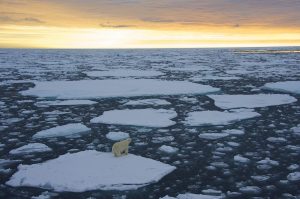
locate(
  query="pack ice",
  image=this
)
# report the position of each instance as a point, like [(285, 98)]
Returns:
[(115, 88), (286, 86), (91, 170), (138, 117), (124, 73), (30, 148), (251, 101)]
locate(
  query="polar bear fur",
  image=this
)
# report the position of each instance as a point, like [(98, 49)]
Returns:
[(121, 148)]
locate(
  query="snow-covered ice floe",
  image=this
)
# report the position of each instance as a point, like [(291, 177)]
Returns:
[(168, 149), (72, 130), (124, 73), (193, 196), (207, 118), (213, 136), (286, 86), (91, 170), (115, 88), (251, 101), (30, 148), (212, 77), (116, 136), (65, 103), (153, 102), (138, 117)]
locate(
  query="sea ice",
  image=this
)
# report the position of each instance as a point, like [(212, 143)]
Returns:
[(30, 148), (206, 118), (286, 87), (138, 117), (124, 73), (213, 136), (234, 131), (72, 130), (116, 136), (168, 149), (250, 190), (251, 101), (193, 196), (153, 102), (295, 176), (241, 159), (115, 88), (91, 170), (65, 103)]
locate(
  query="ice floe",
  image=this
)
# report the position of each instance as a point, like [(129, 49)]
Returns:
[(241, 159), (65, 103), (91, 170), (206, 118), (138, 117), (213, 136), (115, 88), (193, 196), (116, 136), (124, 73), (31, 148), (286, 86), (153, 102), (168, 149), (251, 101), (71, 130)]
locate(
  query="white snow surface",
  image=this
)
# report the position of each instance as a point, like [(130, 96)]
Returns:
[(138, 117), (251, 101), (286, 86), (116, 136), (124, 73), (86, 89), (91, 170), (30, 148), (154, 102), (206, 118), (71, 130)]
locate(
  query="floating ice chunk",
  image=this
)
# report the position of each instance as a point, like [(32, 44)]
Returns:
[(65, 103), (30, 148), (234, 131), (251, 101), (268, 161), (213, 136), (116, 136), (86, 89), (295, 176), (124, 73), (205, 118), (213, 77), (250, 190), (293, 167), (193, 196), (153, 102), (276, 139), (286, 87), (138, 117), (91, 170), (163, 139), (168, 149), (72, 130), (5, 163), (2, 103), (261, 178), (296, 129), (241, 159)]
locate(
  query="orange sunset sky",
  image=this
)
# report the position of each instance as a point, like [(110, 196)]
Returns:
[(148, 24)]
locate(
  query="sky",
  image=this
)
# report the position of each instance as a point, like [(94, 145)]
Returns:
[(148, 24)]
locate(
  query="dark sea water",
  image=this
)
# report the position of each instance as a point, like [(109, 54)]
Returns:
[(201, 164)]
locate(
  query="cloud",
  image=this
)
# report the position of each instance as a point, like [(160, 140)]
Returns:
[(108, 25), (8, 19)]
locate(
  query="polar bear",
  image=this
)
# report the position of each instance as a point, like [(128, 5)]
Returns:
[(121, 148)]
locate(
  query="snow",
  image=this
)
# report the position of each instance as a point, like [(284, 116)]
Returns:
[(250, 190), (138, 117), (65, 103), (154, 102), (124, 73), (234, 131), (91, 170), (115, 88), (213, 136), (71, 130), (168, 149), (30, 148), (205, 118), (295, 176), (286, 86), (251, 101), (116, 136)]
